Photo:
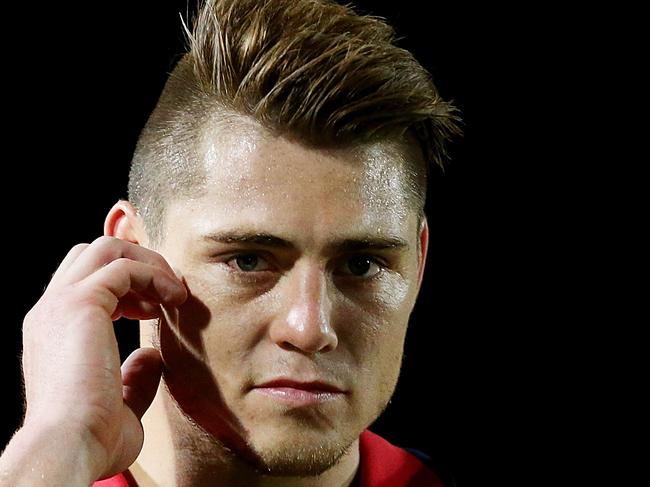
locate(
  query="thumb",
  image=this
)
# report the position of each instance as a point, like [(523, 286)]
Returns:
[(141, 373)]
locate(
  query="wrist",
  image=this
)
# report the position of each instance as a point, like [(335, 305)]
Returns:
[(51, 454)]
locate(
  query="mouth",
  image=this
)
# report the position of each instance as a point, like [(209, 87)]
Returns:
[(297, 393)]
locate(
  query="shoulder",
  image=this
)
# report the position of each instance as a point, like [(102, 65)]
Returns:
[(383, 463)]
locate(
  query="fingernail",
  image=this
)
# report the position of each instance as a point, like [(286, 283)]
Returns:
[(180, 282), (178, 273)]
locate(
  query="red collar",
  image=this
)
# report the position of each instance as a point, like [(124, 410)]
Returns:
[(124, 479), (383, 464)]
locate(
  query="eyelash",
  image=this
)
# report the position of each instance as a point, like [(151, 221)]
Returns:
[(254, 275)]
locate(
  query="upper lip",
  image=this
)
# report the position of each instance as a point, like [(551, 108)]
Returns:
[(313, 385)]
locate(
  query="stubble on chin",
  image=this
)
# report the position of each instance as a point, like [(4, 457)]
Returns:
[(299, 459), (307, 456)]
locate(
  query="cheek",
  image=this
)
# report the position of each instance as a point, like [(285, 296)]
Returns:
[(375, 321), (393, 295), (234, 324), (375, 330)]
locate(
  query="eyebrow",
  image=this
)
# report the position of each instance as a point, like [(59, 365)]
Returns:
[(363, 242)]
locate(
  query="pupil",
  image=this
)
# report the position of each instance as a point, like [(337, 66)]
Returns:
[(247, 262), (359, 265)]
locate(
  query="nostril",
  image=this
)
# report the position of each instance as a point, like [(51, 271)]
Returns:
[(289, 346)]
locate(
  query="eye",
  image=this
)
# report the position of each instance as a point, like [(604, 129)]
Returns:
[(248, 263), (360, 266), (363, 266)]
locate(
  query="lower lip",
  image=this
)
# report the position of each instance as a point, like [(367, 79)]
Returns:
[(298, 397)]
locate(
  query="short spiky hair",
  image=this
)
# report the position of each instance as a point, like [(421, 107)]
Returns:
[(311, 69)]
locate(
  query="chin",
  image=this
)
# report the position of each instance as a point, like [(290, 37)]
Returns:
[(298, 452), (303, 442)]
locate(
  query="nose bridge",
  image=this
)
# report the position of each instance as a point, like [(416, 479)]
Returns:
[(311, 295), (305, 323)]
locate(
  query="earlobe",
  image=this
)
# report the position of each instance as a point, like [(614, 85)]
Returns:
[(123, 222)]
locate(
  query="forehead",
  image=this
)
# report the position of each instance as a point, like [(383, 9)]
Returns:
[(255, 177)]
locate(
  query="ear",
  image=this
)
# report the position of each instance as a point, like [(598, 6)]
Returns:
[(124, 223), (423, 238)]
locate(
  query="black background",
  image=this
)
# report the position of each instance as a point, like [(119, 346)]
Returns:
[(474, 390)]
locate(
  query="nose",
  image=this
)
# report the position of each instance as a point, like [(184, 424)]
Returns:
[(305, 321)]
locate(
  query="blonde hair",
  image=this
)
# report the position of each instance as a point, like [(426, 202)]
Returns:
[(311, 69)]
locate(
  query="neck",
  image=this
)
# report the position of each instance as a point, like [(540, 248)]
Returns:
[(177, 453)]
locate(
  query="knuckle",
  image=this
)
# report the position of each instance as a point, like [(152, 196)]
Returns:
[(121, 264), (29, 319), (106, 249), (79, 247), (103, 241)]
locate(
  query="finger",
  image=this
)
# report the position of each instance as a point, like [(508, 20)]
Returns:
[(135, 307), (116, 279), (72, 255), (105, 250), (141, 374)]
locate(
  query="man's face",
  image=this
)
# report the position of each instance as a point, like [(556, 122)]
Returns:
[(302, 305)]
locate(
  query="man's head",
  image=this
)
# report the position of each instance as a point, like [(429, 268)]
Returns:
[(312, 70), (284, 173)]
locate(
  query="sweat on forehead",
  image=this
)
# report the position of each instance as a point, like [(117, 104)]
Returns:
[(224, 150), (267, 183), (238, 153)]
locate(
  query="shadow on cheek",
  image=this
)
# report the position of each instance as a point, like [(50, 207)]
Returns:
[(189, 380)]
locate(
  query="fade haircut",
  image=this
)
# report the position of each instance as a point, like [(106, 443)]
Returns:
[(312, 70)]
